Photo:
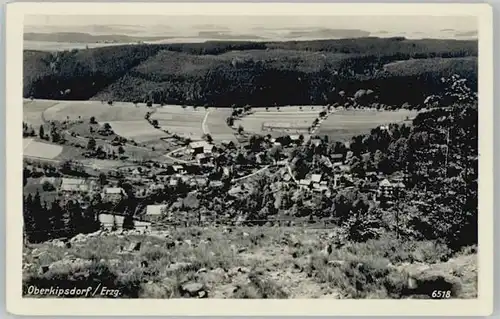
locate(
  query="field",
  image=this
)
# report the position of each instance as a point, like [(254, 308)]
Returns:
[(102, 112), (286, 120), (139, 131), (343, 124), (216, 125), (125, 119), (186, 122), (32, 111), (40, 149), (129, 121), (243, 262)]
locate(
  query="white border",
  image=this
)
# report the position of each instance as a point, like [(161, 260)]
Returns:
[(214, 307)]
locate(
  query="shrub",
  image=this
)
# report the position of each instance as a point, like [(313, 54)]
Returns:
[(260, 288), (47, 186), (397, 250), (359, 277)]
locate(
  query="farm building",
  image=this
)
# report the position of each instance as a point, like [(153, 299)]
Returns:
[(155, 211), (179, 169), (76, 185), (325, 161), (142, 225), (173, 182), (385, 190), (113, 194), (199, 181), (200, 147), (341, 180), (295, 137), (208, 149), (216, 184), (202, 158), (371, 176), (305, 183), (337, 157), (316, 178), (316, 142), (321, 189), (155, 187), (343, 168), (110, 221)]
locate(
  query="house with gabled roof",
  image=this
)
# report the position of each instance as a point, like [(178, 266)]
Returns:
[(77, 185), (316, 178), (155, 211), (316, 142), (200, 147), (113, 194)]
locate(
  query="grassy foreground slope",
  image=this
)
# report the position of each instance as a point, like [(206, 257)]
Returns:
[(259, 74), (249, 263)]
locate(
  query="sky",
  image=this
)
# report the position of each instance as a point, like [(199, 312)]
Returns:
[(370, 23), (428, 26)]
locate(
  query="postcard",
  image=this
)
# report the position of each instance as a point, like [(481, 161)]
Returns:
[(249, 159)]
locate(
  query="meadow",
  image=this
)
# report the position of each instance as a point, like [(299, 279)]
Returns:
[(139, 131), (32, 111), (127, 119), (40, 149), (193, 122), (102, 112), (344, 124), (280, 121), (186, 122), (216, 125)]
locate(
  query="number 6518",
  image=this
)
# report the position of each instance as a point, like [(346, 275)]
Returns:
[(441, 294)]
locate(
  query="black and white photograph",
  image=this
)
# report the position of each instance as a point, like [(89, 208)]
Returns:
[(217, 156)]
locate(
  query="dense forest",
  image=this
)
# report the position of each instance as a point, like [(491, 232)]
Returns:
[(252, 73)]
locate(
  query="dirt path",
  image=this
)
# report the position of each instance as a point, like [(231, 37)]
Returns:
[(28, 144), (204, 126), (251, 174), (291, 173)]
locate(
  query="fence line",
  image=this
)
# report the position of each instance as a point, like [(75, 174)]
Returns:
[(231, 224)]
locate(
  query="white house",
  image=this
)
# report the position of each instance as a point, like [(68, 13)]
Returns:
[(316, 178), (71, 185), (156, 210), (109, 220), (113, 193), (200, 147), (179, 169)]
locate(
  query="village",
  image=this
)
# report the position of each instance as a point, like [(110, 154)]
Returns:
[(296, 171)]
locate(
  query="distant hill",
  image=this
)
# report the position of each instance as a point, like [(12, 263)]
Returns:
[(225, 73), (79, 37)]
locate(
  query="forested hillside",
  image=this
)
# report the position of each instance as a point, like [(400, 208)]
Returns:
[(258, 74)]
